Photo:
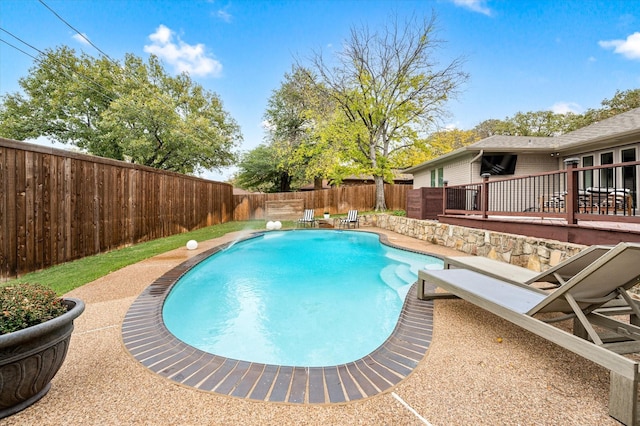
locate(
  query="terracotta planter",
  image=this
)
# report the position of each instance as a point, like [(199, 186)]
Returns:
[(30, 358)]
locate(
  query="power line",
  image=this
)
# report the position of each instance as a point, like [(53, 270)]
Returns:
[(21, 41), (18, 49), (132, 75), (65, 67), (74, 29), (143, 113)]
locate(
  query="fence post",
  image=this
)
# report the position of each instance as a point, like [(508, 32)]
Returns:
[(444, 196), (571, 202), (485, 195)]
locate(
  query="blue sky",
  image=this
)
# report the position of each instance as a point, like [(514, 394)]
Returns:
[(561, 55)]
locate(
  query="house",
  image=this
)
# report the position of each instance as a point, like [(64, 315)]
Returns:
[(399, 178), (610, 141)]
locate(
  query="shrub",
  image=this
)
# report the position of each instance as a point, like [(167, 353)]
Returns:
[(24, 305)]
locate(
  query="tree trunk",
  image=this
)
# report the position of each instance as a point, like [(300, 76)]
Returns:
[(317, 183), (285, 182), (381, 205)]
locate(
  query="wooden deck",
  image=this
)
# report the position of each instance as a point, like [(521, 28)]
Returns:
[(553, 228)]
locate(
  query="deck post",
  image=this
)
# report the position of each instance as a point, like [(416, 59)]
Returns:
[(571, 202), (444, 196), (485, 194)]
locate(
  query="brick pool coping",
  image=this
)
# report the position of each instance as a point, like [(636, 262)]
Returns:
[(152, 344)]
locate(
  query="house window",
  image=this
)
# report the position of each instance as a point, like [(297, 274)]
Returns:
[(606, 175), (437, 177), (588, 174)]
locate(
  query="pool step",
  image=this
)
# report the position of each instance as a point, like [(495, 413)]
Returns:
[(398, 277), (405, 273)]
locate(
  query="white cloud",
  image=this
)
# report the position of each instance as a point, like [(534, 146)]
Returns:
[(566, 107), (81, 38), (192, 59), (629, 48), (224, 15), (474, 5)]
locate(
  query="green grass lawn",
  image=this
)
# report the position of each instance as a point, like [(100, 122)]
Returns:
[(67, 276)]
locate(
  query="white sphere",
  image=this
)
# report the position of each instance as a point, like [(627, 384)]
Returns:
[(192, 244), (270, 225), (277, 224)]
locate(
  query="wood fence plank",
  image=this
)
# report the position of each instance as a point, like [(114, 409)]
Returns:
[(57, 206), (337, 200), (20, 208), (11, 230), (4, 196)]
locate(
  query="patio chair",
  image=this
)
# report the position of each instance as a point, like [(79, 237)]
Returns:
[(351, 219), (618, 200), (555, 276), (546, 280), (611, 200), (605, 279), (553, 203), (307, 219)]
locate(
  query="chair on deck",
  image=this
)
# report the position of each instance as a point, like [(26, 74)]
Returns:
[(553, 203), (351, 219), (307, 219), (611, 200), (608, 277)]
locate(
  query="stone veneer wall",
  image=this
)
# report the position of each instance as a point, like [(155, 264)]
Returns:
[(534, 253)]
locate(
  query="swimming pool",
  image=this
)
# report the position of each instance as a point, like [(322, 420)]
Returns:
[(148, 340), (304, 298)]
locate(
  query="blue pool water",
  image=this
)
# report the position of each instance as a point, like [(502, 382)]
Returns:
[(299, 298)]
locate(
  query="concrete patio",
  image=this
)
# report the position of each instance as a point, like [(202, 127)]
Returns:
[(478, 370)]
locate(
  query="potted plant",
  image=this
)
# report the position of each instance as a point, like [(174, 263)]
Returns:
[(326, 215), (35, 330)]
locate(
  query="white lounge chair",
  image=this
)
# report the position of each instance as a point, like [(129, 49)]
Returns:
[(608, 277), (307, 218), (351, 219)]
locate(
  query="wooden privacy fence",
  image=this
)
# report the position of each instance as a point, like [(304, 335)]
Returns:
[(334, 200), (57, 206)]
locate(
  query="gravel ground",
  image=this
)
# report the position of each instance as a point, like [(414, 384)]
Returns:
[(480, 370)]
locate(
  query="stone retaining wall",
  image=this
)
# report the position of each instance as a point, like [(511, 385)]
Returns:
[(534, 253)]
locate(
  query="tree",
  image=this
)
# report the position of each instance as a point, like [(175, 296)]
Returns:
[(259, 171), (289, 126), (129, 111), (619, 103), (435, 145), (547, 123), (297, 115), (489, 127), (538, 123), (443, 142), (389, 83)]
